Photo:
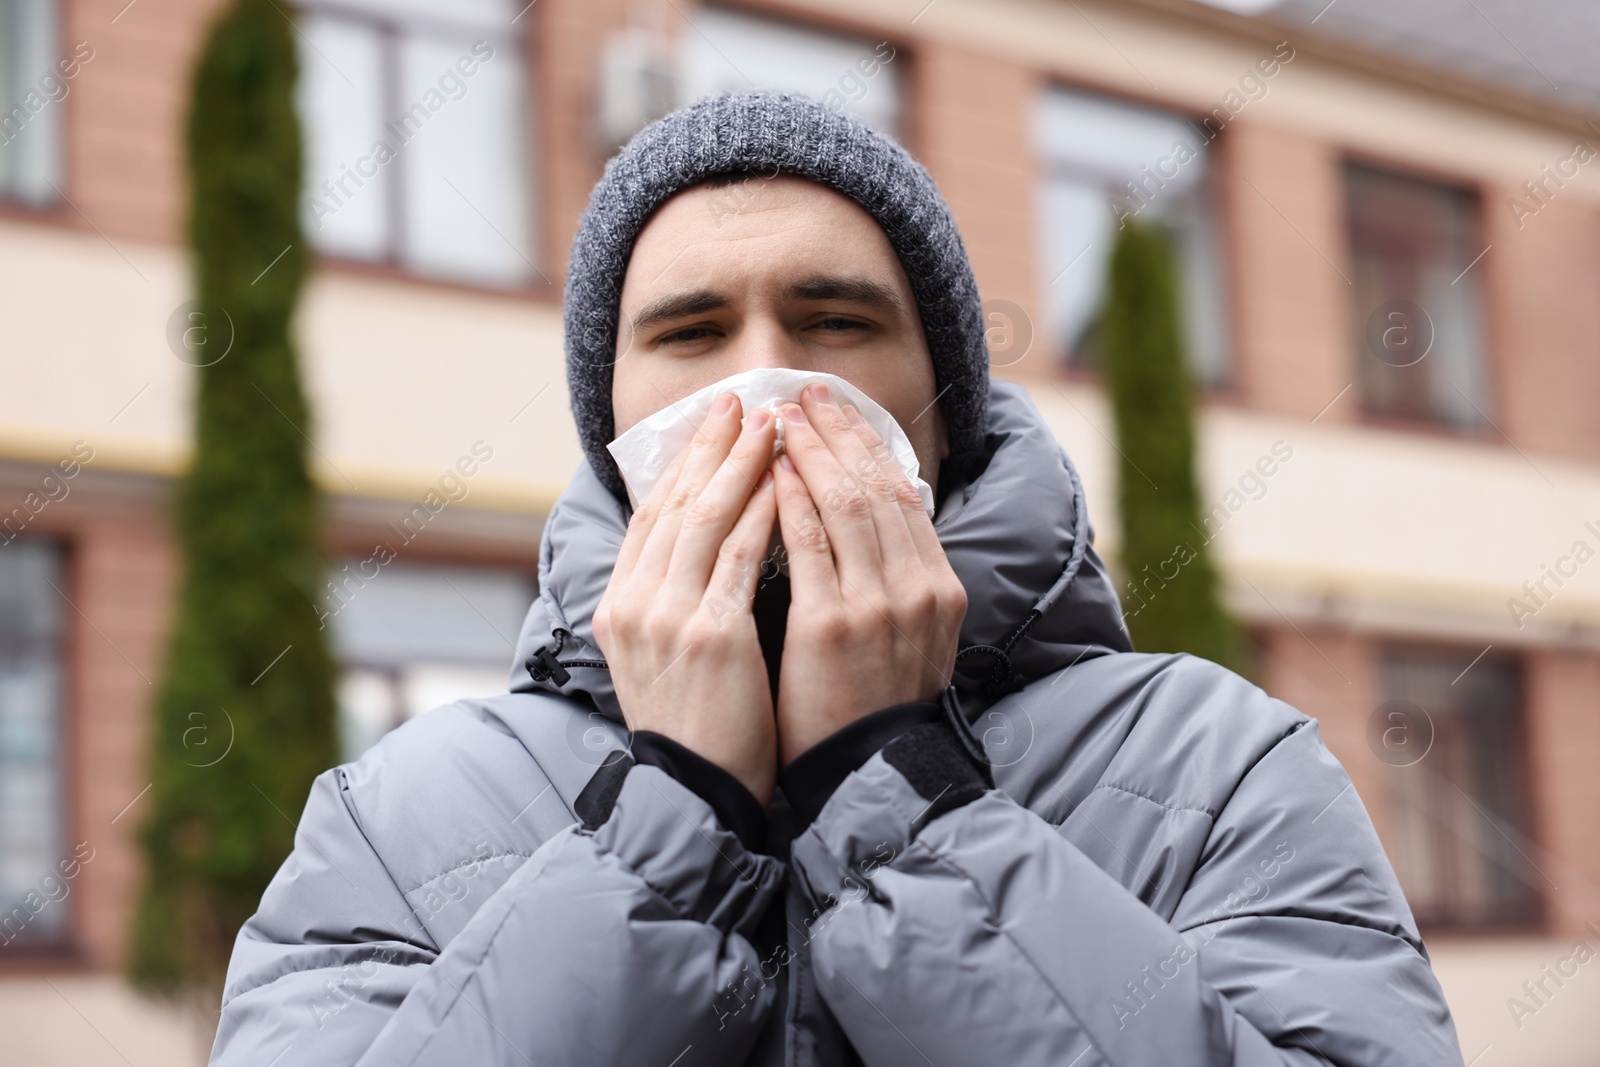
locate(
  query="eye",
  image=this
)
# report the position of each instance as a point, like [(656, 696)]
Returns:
[(839, 324), (686, 335)]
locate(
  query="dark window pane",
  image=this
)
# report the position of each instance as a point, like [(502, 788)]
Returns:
[(1418, 329), (33, 898), (1459, 814)]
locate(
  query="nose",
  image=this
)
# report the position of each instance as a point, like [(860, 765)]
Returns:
[(764, 343)]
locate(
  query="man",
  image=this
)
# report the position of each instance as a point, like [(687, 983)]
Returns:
[(917, 801)]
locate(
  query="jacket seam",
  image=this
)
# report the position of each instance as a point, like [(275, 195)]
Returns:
[(340, 780), (347, 797), (1302, 917), (348, 801), (460, 991), (533, 756), (463, 866), (369, 951), (1156, 800), (1293, 728)]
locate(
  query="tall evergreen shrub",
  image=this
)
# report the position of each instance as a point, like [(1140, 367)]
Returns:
[(1170, 595), (245, 714)]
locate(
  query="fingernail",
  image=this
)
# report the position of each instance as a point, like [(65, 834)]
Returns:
[(758, 418), (822, 392), (793, 413), (851, 415), (723, 405), (786, 463)]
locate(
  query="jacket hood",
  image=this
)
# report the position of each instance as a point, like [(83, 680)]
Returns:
[(1017, 534)]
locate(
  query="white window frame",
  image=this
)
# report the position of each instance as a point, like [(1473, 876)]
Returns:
[(397, 24)]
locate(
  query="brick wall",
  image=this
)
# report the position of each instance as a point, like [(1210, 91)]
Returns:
[(118, 579), (570, 34), (1563, 716), (127, 111), (124, 571), (970, 126), (1543, 284), (1286, 247)]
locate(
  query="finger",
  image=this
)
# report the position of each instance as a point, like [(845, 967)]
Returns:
[(846, 510), (909, 501), (712, 440), (644, 518), (732, 586), (881, 486), (812, 577), (706, 524)]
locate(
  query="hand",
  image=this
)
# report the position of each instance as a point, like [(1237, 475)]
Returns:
[(675, 622), (875, 608)]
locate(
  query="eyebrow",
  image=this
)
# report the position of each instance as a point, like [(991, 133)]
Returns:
[(677, 306), (863, 291)]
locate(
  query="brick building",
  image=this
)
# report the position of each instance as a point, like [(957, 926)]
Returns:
[(1390, 243)]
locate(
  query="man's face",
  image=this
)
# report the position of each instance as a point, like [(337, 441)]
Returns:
[(772, 272)]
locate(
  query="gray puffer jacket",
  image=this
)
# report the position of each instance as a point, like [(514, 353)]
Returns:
[(1169, 868)]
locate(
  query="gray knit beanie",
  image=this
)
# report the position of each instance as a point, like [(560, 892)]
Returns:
[(768, 133)]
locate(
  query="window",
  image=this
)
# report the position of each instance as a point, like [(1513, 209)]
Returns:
[(1101, 161), (31, 91), (1418, 323), (416, 636), (33, 897), (415, 131), (1460, 814), (732, 50)]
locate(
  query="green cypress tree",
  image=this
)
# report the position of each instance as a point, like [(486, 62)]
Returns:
[(245, 713), (1171, 599)]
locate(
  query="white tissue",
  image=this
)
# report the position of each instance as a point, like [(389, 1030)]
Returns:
[(649, 447)]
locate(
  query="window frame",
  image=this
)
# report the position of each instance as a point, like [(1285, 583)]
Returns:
[(67, 949), (1494, 370), (1228, 388), (353, 537), (528, 40), (1537, 919), (909, 118)]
